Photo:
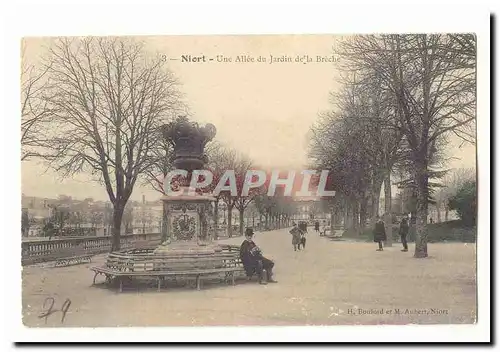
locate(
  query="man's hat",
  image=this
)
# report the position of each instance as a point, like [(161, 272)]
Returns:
[(248, 231)]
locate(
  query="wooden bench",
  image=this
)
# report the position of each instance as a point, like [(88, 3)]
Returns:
[(141, 264), (328, 233), (73, 257)]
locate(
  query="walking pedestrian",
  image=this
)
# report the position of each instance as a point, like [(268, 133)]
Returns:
[(302, 240), (379, 233), (316, 226), (296, 235)]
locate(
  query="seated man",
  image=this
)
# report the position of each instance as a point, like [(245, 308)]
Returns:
[(253, 261)]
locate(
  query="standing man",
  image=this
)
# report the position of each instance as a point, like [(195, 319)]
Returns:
[(403, 232), (316, 226), (379, 233)]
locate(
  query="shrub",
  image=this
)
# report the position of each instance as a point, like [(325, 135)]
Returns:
[(465, 203), (451, 231)]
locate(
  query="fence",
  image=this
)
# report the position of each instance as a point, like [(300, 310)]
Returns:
[(43, 251)]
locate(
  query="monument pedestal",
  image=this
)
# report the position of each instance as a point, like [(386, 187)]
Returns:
[(186, 233)]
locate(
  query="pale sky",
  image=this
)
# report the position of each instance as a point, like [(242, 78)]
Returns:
[(262, 110)]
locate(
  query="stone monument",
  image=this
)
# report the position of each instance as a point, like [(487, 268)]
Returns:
[(185, 216)]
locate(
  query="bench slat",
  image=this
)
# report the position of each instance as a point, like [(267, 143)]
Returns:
[(163, 273)]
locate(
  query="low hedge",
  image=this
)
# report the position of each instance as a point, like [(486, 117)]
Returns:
[(450, 231)]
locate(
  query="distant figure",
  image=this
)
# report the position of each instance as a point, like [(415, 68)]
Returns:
[(379, 233), (254, 261), (403, 232), (323, 231), (296, 236), (316, 226), (302, 241), (303, 226), (431, 221)]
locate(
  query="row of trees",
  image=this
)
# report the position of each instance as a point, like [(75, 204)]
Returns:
[(402, 97), (273, 211)]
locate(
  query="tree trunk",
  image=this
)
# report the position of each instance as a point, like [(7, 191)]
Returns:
[(355, 215), (216, 218), (438, 212), (346, 217), (421, 178), (333, 221), (363, 211), (229, 221), (117, 223), (242, 225), (388, 209), (375, 199), (164, 225), (446, 212)]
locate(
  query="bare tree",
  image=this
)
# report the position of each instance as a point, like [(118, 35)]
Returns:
[(27, 220), (361, 113), (241, 202), (96, 217), (223, 159), (60, 216), (216, 154), (33, 106), (106, 98)]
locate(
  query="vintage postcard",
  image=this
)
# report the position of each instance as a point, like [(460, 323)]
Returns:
[(249, 180)]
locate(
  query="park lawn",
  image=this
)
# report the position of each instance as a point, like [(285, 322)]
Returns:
[(449, 231)]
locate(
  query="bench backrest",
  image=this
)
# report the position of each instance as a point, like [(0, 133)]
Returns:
[(148, 262)]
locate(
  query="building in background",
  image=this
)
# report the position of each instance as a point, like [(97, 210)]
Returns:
[(309, 209), (147, 216)]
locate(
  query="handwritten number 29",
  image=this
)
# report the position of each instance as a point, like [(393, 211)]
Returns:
[(48, 308)]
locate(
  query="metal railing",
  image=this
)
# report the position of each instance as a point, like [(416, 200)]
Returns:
[(42, 251)]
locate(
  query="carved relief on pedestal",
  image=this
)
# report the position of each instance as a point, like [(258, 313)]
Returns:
[(184, 226), (166, 231), (202, 213), (183, 207)]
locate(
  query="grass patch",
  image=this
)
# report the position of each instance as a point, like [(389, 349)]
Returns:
[(450, 231)]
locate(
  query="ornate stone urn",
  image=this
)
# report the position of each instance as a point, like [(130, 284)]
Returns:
[(185, 216)]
